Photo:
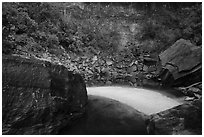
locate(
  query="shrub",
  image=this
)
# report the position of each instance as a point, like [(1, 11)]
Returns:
[(171, 23)]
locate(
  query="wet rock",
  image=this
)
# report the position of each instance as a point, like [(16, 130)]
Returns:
[(39, 97)]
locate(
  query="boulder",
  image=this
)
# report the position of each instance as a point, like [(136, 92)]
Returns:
[(179, 120), (181, 63), (106, 116), (39, 97)]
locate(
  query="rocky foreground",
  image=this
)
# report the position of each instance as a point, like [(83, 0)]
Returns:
[(39, 97), (42, 98), (38, 91), (185, 119), (106, 116)]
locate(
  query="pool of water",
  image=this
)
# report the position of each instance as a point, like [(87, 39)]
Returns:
[(144, 100)]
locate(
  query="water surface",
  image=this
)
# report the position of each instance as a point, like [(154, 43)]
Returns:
[(144, 100)]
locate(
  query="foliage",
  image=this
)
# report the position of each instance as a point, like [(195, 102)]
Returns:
[(169, 24), (98, 26), (21, 24)]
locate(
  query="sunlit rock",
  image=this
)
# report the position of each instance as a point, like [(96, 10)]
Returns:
[(38, 97)]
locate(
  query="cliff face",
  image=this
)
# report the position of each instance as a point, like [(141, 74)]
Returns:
[(39, 97)]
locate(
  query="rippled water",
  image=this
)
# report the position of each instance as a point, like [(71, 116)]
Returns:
[(144, 100)]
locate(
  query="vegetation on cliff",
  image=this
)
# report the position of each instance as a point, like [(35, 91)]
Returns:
[(76, 26), (106, 42)]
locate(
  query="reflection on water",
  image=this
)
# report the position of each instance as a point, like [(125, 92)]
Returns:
[(144, 100)]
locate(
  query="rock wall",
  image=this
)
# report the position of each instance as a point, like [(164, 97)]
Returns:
[(39, 97)]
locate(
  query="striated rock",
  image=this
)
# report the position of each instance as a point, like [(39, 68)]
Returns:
[(39, 97), (182, 63)]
